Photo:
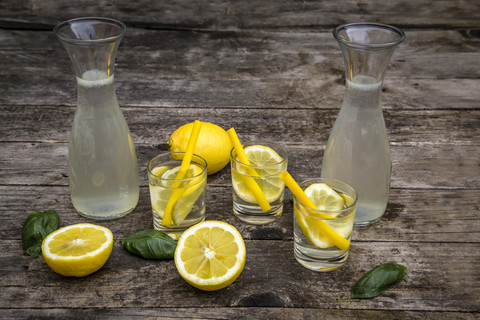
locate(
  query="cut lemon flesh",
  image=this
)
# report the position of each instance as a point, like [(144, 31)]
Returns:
[(324, 198), (77, 250), (160, 192), (268, 166), (210, 255)]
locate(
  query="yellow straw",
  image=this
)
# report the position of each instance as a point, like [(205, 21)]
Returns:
[(249, 181), (328, 232), (187, 158)]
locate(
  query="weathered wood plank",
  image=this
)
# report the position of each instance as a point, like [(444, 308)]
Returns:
[(412, 215), (220, 14), (247, 94), (454, 165), (232, 313), (445, 272), (274, 70), (240, 43), (196, 55), (309, 127)]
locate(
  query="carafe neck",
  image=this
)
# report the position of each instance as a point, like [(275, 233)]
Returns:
[(367, 49), (91, 43)]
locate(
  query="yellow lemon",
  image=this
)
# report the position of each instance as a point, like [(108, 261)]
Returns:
[(77, 250), (213, 144), (267, 178), (325, 198), (210, 255)]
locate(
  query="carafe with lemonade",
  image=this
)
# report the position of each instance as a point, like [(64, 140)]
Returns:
[(102, 165), (357, 150)]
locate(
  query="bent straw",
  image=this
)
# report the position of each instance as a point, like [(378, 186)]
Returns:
[(328, 232), (249, 181), (187, 158)]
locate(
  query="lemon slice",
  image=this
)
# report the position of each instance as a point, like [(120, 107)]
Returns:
[(160, 193), (267, 178), (77, 250), (210, 255), (324, 198)]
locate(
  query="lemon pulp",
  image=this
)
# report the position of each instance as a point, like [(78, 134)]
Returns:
[(210, 255), (77, 250), (325, 198), (160, 192), (267, 165)]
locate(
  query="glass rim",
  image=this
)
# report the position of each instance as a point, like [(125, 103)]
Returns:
[(362, 45), (314, 212), (204, 166), (265, 143), (115, 37)]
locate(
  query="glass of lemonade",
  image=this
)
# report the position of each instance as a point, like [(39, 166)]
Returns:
[(267, 161), (336, 202), (185, 197)]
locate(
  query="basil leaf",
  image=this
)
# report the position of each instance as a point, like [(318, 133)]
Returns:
[(150, 244), (377, 280), (36, 227)]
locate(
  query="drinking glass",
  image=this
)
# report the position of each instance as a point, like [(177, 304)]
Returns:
[(183, 196), (268, 161), (312, 248)]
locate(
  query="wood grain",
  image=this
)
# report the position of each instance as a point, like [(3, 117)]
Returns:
[(272, 70), (45, 164), (221, 14), (237, 313), (433, 218), (259, 285)]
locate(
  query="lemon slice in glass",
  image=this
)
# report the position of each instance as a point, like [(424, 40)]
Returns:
[(267, 165), (324, 198), (77, 250), (210, 255), (160, 193)]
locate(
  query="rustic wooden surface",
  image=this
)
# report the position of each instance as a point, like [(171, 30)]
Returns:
[(272, 70)]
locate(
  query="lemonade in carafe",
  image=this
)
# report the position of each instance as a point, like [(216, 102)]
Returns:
[(102, 165), (357, 150)]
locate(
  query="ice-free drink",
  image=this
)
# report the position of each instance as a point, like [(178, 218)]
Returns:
[(182, 199), (358, 151), (336, 202), (267, 161), (102, 165)]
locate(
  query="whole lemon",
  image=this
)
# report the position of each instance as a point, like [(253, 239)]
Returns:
[(213, 144)]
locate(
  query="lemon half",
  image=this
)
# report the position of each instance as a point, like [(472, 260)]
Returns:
[(77, 250), (210, 255)]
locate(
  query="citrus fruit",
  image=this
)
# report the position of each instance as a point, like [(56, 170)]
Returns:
[(213, 144), (77, 250), (267, 175), (324, 198), (160, 192), (210, 255)]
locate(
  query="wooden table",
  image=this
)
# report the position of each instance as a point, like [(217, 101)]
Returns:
[(272, 70)]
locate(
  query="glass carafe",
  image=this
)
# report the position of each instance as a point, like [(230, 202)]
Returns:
[(102, 165), (357, 150)]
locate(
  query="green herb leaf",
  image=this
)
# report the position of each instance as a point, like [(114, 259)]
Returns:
[(150, 244), (377, 280), (36, 227)]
